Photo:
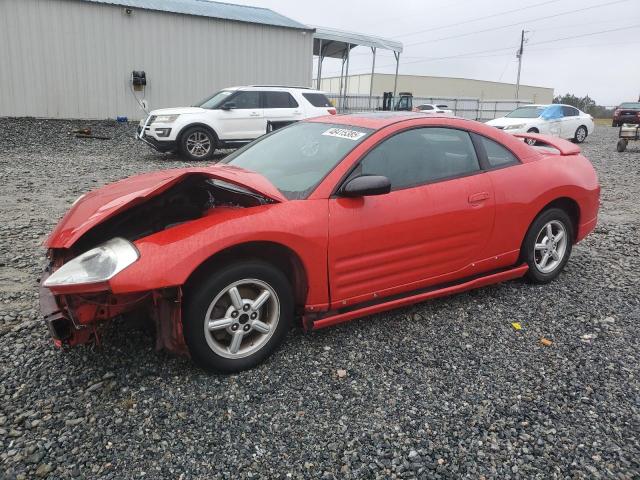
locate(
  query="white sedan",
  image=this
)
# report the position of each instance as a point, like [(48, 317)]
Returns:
[(434, 109), (562, 121)]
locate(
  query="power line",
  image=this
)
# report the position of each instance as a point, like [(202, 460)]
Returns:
[(572, 12), (475, 54), (499, 14)]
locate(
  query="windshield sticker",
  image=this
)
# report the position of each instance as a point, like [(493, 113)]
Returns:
[(344, 133)]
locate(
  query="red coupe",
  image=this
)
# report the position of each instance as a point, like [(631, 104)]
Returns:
[(326, 220)]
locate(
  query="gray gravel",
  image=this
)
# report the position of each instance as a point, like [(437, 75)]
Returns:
[(445, 389)]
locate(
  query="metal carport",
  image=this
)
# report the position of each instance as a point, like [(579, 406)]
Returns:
[(329, 42)]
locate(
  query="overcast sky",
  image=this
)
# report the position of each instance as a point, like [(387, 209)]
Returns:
[(606, 66)]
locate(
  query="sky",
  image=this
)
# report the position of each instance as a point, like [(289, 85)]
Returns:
[(583, 47)]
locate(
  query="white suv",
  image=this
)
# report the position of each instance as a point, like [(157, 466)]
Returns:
[(230, 118)]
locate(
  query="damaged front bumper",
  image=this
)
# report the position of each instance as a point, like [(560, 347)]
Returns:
[(74, 318)]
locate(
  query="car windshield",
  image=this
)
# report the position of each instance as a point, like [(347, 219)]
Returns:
[(215, 100), (630, 105), (296, 158), (526, 112)]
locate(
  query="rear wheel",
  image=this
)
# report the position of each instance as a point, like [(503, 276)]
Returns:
[(547, 245), (236, 318), (197, 143), (581, 134)]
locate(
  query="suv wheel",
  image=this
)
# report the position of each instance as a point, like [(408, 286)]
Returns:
[(197, 144)]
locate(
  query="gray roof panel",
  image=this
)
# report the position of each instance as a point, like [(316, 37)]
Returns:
[(206, 8), (335, 42)]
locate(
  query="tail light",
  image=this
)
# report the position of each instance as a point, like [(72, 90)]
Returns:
[(616, 113), (638, 114), (332, 111)]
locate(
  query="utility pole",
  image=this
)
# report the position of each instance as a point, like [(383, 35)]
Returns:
[(519, 55)]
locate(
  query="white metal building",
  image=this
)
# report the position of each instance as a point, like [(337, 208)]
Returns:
[(74, 58), (446, 87)]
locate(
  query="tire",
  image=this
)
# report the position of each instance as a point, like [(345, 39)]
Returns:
[(198, 143), (531, 142), (581, 134), (621, 146), (536, 245), (212, 344), (615, 124)]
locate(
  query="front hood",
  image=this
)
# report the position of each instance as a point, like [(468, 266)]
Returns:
[(176, 111), (504, 121), (99, 205)]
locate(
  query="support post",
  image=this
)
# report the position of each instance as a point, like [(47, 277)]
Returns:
[(373, 69), (340, 89), (346, 79), (395, 81), (320, 59)]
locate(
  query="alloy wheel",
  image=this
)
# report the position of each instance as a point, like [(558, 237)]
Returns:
[(198, 144), (551, 246), (241, 318)]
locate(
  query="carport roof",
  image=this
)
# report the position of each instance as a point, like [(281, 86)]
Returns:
[(205, 8), (335, 42)]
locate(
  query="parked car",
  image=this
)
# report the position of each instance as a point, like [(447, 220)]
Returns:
[(325, 220), (230, 118), (435, 109), (562, 121), (627, 112)]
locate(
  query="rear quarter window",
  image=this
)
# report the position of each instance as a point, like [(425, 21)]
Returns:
[(317, 99)]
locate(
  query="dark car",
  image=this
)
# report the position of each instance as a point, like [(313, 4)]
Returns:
[(628, 112)]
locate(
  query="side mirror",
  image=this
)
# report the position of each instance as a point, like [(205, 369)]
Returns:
[(228, 106), (366, 185)]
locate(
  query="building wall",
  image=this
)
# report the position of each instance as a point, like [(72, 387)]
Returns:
[(72, 59), (424, 86)]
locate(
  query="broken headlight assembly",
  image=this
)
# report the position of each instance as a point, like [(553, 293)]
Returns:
[(96, 265)]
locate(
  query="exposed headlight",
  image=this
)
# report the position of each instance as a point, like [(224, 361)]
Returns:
[(514, 127), (165, 119), (97, 265)]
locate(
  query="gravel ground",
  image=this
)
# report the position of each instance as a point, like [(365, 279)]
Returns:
[(445, 389)]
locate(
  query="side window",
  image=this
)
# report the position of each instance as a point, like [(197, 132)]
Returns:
[(279, 100), (497, 155), (427, 107), (569, 112), (318, 99), (245, 100), (419, 156)]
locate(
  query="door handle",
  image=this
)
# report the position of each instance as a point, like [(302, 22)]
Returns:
[(478, 197), (254, 114), (297, 112)]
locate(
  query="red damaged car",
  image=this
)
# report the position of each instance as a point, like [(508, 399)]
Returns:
[(326, 220)]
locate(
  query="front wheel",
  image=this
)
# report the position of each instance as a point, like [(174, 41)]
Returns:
[(236, 317), (581, 134), (547, 245), (531, 141), (621, 146), (197, 144)]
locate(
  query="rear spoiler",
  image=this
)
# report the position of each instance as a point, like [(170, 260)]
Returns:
[(563, 146)]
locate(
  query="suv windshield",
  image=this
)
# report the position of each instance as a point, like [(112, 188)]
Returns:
[(630, 105), (526, 112), (215, 100), (296, 158)]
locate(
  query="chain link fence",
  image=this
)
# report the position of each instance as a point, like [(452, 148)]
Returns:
[(471, 108)]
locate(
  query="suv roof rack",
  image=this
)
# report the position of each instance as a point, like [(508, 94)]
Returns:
[(282, 86)]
